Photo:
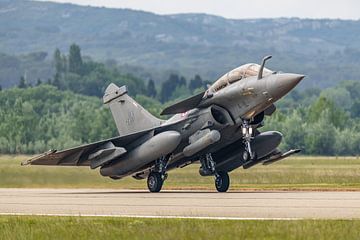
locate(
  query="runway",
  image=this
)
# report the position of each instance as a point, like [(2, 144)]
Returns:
[(197, 204)]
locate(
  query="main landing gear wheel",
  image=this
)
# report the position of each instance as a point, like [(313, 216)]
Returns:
[(222, 181), (155, 182)]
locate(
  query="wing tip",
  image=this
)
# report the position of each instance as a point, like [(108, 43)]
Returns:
[(29, 161)]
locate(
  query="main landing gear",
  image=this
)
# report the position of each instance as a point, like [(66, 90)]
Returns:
[(157, 177), (222, 180), (155, 182)]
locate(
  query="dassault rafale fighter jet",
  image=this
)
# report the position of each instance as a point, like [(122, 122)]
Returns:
[(218, 128)]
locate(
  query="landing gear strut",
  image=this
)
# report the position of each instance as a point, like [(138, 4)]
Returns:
[(207, 165), (157, 177)]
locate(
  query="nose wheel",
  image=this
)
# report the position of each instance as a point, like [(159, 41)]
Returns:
[(222, 181)]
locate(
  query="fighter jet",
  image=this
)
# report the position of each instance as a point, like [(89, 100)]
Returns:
[(218, 128)]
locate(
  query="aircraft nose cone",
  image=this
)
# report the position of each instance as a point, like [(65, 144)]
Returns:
[(281, 84), (290, 80)]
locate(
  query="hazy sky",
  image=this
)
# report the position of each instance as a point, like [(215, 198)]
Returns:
[(344, 9)]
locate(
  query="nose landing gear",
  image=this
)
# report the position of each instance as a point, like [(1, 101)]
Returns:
[(247, 132)]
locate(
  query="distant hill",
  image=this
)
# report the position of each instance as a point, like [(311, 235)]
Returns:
[(327, 51)]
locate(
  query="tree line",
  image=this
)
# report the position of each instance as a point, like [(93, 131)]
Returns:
[(82, 75)]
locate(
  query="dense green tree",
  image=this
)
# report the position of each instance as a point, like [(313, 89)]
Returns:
[(339, 96), (22, 83), (75, 60), (353, 87), (58, 62), (294, 128), (347, 142), (195, 83), (38, 82), (151, 90), (355, 108), (150, 104), (169, 86), (320, 136), (182, 81), (57, 81), (337, 116)]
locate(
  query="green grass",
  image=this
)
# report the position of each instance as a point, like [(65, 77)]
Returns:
[(30, 227), (299, 173)]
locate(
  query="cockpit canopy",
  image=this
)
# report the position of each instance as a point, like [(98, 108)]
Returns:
[(244, 71)]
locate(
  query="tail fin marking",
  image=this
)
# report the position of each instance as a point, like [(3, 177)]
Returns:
[(129, 116)]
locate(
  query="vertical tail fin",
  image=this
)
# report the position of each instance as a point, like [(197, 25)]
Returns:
[(129, 116)]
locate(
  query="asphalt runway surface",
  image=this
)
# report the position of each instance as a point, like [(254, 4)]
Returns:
[(194, 204)]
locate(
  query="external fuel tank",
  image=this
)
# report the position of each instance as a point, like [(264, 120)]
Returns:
[(157, 146)]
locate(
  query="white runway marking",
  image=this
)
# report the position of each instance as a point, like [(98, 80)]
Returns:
[(181, 204), (140, 216)]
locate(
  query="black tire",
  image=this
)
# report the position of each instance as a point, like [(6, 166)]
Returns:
[(222, 182), (154, 182)]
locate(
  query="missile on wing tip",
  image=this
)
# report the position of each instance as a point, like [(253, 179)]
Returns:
[(203, 142), (281, 156), (154, 148)]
